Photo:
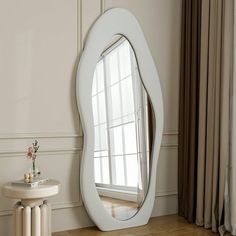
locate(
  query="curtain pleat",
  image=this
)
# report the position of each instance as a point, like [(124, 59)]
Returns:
[(189, 86), (230, 71)]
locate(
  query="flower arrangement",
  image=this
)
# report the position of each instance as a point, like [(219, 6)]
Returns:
[(31, 154)]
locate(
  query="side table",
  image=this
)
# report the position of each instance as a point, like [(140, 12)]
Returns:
[(33, 212)]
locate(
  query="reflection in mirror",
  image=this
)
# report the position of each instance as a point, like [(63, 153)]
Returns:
[(122, 124)]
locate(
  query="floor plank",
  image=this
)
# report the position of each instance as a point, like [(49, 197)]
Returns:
[(161, 226)]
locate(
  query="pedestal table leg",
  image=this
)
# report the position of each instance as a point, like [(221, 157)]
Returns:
[(36, 221), (18, 218), (27, 221)]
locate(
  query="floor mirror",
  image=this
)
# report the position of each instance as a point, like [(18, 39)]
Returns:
[(120, 103)]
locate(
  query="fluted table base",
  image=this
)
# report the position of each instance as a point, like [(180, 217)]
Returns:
[(32, 219)]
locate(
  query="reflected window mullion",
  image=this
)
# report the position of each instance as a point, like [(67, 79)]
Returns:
[(112, 177), (122, 118), (99, 129)]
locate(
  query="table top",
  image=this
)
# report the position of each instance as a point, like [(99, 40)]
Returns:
[(47, 189)]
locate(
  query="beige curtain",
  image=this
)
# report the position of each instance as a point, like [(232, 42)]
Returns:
[(215, 76), (230, 191), (210, 103)]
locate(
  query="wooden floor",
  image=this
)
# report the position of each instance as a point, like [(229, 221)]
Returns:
[(159, 226)]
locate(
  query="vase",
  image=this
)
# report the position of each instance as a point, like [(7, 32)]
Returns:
[(35, 170)]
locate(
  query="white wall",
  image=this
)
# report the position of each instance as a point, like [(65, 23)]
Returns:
[(39, 48)]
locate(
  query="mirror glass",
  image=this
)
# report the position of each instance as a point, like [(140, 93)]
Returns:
[(123, 127)]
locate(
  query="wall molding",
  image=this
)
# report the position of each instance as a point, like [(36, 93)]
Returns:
[(170, 139), (171, 132), (169, 146), (14, 144), (65, 205), (102, 5), (38, 135), (166, 193), (6, 212), (79, 27), (55, 206), (34, 135), (20, 153)]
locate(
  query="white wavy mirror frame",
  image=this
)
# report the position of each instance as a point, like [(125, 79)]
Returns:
[(113, 22)]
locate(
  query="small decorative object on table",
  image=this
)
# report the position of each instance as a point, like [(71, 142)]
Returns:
[(31, 154), (32, 183)]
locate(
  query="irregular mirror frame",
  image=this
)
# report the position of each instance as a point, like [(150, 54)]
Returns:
[(113, 22)]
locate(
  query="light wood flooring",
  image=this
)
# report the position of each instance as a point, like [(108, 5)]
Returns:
[(158, 226)]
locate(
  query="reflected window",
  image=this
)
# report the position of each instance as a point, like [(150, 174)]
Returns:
[(119, 101)]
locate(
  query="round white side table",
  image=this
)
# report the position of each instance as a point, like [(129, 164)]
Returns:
[(33, 212)]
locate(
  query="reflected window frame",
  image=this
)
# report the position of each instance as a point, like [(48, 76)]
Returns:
[(113, 183)]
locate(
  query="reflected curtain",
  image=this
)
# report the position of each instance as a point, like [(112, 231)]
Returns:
[(204, 109), (143, 118), (145, 156)]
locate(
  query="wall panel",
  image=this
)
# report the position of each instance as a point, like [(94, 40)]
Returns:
[(91, 10), (38, 49)]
